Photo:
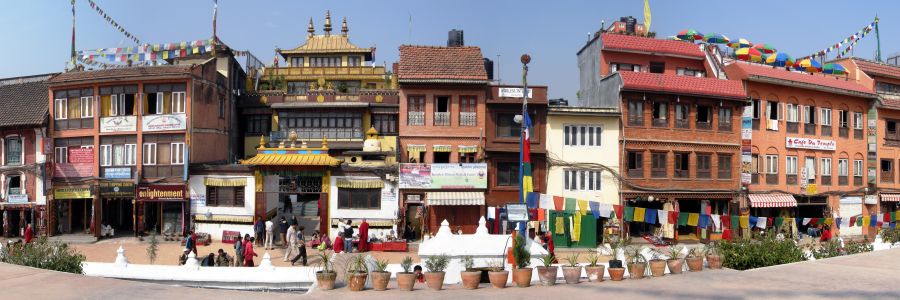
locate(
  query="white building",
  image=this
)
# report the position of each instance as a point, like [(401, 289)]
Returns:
[(223, 199)]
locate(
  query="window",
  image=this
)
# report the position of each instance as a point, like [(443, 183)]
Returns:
[(416, 111), (149, 154), (771, 164), (507, 173), (658, 165), (689, 72), (826, 166), (225, 196), (359, 198), (887, 170), (773, 110), (105, 155), (682, 111), (297, 87), (725, 118), (467, 157), (682, 164), (809, 114), (843, 118), (177, 153), (857, 120), (13, 151), (614, 67), (826, 116), (724, 166), (60, 112), (810, 166), (582, 135), (61, 155), (87, 107), (130, 154), (442, 111), (891, 127), (467, 111), (507, 127), (178, 100), (704, 166), (221, 108), (704, 116), (755, 105), (754, 164), (354, 61), (297, 62), (635, 112), (386, 124), (582, 180), (660, 114), (657, 67), (857, 168), (842, 167), (635, 164), (790, 165), (122, 104), (14, 185), (326, 61), (258, 124), (793, 113)]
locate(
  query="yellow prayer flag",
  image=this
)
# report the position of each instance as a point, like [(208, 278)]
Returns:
[(196, 50), (155, 47), (897, 216), (745, 222), (576, 230), (639, 214), (183, 45), (829, 221), (582, 206), (693, 219), (866, 221), (165, 54)]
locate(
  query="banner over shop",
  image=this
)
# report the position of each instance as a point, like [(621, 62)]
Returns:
[(443, 176)]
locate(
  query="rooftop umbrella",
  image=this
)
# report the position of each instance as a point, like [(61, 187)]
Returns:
[(809, 65), (715, 38), (780, 60), (740, 43), (765, 48), (835, 69), (749, 54), (689, 35)]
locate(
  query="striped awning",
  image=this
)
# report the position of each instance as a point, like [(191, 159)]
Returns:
[(415, 148), (454, 198), (772, 200), (212, 181), (442, 148), (360, 183), (467, 149), (890, 197), (292, 160)]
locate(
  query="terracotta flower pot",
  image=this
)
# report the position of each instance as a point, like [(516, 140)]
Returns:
[(548, 275), (435, 280), (658, 267), (522, 276), (380, 280), (595, 273), (326, 280), (498, 279), (695, 263), (636, 270), (572, 274), (357, 281), (470, 279), (406, 281), (616, 274), (675, 266), (714, 261)]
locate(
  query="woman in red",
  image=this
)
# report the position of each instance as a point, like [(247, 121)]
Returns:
[(726, 234), (29, 233), (338, 244), (826, 234), (248, 253)]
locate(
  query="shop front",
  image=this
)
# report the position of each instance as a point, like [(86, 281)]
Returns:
[(73, 210), (222, 204), (433, 193), (162, 208), (784, 206), (117, 207)]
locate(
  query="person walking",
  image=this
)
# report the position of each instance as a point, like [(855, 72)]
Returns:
[(29, 233), (283, 227), (292, 242), (301, 248), (190, 242), (239, 250), (363, 236), (270, 234), (259, 228), (248, 253)]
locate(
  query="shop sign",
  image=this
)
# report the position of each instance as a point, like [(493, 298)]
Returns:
[(811, 189), (514, 92), (73, 193), (517, 212), (81, 155), (871, 199), (73, 170), (117, 173), (388, 195), (47, 143), (116, 189), (118, 124), (814, 144), (17, 199), (443, 176), (164, 122), (161, 192)]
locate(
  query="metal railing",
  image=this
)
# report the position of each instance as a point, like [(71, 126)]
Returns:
[(307, 134), (415, 118), (442, 118), (467, 119)]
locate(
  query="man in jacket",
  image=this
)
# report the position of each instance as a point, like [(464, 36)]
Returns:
[(239, 251)]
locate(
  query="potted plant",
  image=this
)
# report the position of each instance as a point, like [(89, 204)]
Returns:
[(572, 271), (357, 273), (657, 263), (522, 273), (637, 264), (326, 277), (406, 280), (713, 259), (616, 268), (380, 277), (470, 276), (497, 273), (694, 260), (675, 262), (593, 270), (436, 265), (548, 272)]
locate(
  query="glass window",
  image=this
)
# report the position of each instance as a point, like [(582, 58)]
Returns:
[(857, 168), (826, 116), (507, 173), (790, 165), (843, 167), (507, 127), (222, 196), (771, 164), (177, 153), (60, 109), (826, 166), (13, 151), (149, 154), (359, 198), (14, 185)]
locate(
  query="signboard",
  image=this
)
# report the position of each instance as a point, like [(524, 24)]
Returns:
[(117, 173), (73, 193), (871, 199), (118, 124), (47, 143), (73, 170), (17, 199), (509, 92), (116, 189), (814, 144), (164, 122), (81, 155), (443, 176), (388, 195), (517, 212), (746, 145), (811, 189), (161, 192), (747, 133)]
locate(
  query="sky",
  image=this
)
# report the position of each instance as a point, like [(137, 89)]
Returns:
[(37, 33)]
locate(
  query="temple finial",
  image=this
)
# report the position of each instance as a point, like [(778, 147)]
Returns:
[(310, 29), (327, 22), (344, 29)]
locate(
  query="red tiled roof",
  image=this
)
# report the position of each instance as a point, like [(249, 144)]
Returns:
[(740, 70), (623, 42), (688, 85), (121, 73), (430, 63), (877, 68), (890, 102)]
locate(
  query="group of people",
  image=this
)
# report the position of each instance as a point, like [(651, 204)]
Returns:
[(344, 241)]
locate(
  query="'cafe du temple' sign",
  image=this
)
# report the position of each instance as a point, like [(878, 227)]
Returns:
[(814, 144)]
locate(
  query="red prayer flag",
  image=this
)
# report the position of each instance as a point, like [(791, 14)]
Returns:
[(813, 221), (887, 217), (852, 221), (726, 221), (879, 224), (558, 202), (673, 217), (618, 209)]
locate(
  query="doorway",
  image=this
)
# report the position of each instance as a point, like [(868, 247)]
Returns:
[(151, 217), (414, 220), (118, 213)]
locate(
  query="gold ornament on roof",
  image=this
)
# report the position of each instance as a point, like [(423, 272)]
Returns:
[(262, 141), (344, 28), (327, 22), (292, 136), (311, 31)]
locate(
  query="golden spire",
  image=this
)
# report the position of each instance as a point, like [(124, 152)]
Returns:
[(310, 29), (344, 29), (327, 22), (262, 141), (325, 142)]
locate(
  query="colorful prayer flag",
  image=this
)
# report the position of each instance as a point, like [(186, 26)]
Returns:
[(629, 213), (683, 218), (583, 206), (558, 202), (693, 218), (639, 214), (745, 222), (570, 204), (650, 216)]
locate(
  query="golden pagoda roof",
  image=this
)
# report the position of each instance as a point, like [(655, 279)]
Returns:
[(292, 160), (327, 43)]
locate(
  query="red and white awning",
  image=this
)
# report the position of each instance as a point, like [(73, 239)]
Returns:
[(890, 197), (772, 200)]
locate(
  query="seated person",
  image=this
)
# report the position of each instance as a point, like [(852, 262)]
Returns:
[(209, 261), (223, 260), (107, 230), (184, 256)]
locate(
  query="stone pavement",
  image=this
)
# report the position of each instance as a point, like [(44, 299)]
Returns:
[(864, 276)]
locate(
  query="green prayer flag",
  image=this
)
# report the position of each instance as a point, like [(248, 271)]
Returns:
[(778, 222), (893, 216), (859, 221), (629, 213), (683, 218), (735, 223), (570, 204)]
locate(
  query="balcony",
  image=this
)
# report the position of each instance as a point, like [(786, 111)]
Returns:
[(415, 118), (658, 173), (636, 173), (65, 124), (314, 73), (825, 130), (320, 96), (809, 129), (635, 121), (316, 134), (704, 174), (725, 127), (857, 180), (725, 174), (681, 173), (704, 125), (468, 119), (843, 180), (826, 180), (772, 179), (791, 179), (793, 127), (442, 119)]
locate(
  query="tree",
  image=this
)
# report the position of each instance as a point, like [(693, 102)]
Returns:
[(153, 248)]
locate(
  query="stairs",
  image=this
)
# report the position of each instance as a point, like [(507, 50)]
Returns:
[(714, 58)]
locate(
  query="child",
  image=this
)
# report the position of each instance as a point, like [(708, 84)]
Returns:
[(418, 271)]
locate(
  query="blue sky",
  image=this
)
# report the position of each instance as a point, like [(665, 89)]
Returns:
[(36, 34)]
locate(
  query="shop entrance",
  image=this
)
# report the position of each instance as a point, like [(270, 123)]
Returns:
[(16, 221), (811, 207), (304, 207), (119, 214), (414, 220), (639, 228), (74, 216)]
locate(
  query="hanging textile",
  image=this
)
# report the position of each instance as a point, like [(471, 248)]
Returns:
[(745, 222), (560, 226), (546, 202), (873, 221), (674, 217), (668, 230), (558, 202), (693, 218), (619, 212), (778, 222), (683, 218), (704, 221), (570, 204), (542, 214), (735, 222), (829, 221), (629, 213), (650, 216), (491, 212), (639, 214), (605, 210), (852, 221), (717, 221), (595, 209), (662, 217), (582, 206), (761, 222), (532, 199), (576, 231)]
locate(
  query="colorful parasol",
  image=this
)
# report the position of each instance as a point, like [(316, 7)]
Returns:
[(715, 38), (835, 69), (690, 35), (740, 43), (808, 65), (780, 59), (749, 54), (765, 48)]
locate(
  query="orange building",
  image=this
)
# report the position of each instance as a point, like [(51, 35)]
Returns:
[(809, 149)]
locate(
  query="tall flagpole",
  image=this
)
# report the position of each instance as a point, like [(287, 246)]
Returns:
[(525, 59), (214, 38), (73, 34)]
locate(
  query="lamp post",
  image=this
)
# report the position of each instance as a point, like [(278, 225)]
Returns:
[(525, 59)]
